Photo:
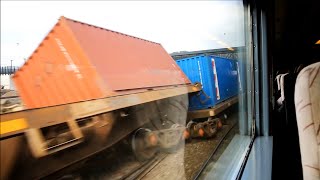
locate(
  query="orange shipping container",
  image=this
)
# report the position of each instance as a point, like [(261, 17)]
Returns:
[(78, 62)]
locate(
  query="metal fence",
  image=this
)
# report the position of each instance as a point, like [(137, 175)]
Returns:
[(8, 70)]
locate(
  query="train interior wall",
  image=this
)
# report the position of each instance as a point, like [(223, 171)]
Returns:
[(293, 30)]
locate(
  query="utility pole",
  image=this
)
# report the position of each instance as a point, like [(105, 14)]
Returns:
[(11, 66)]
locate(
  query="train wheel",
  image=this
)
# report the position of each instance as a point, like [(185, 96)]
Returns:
[(143, 149), (168, 112), (175, 148)]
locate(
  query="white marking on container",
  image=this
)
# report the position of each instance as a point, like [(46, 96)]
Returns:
[(216, 83), (239, 79), (199, 68), (72, 66)]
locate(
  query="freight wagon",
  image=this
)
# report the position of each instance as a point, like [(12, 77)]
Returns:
[(220, 84), (84, 89), (218, 76)]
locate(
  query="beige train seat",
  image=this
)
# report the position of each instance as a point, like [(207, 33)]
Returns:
[(307, 105)]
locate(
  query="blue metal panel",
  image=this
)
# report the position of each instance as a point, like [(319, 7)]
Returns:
[(227, 77), (201, 69), (198, 69)]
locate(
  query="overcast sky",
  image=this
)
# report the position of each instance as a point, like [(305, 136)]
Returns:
[(178, 26)]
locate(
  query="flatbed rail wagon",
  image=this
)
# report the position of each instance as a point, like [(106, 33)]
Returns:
[(82, 90)]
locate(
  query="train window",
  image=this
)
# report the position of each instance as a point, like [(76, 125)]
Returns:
[(136, 90)]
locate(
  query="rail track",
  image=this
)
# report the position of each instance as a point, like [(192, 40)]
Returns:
[(189, 161), (142, 171), (204, 165), (119, 162), (103, 165), (114, 163)]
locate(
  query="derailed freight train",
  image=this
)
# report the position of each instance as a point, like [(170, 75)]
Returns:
[(218, 76), (84, 89), (220, 83)]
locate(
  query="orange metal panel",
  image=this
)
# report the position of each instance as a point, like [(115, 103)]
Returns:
[(126, 62), (78, 62)]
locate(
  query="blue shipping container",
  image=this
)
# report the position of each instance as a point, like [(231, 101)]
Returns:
[(218, 76)]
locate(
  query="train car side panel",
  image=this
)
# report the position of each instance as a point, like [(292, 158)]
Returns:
[(198, 69), (218, 76), (79, 62), (227, 76)]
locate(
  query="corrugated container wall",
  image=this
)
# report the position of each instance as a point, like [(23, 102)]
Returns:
[(218, 76), (78, 61)]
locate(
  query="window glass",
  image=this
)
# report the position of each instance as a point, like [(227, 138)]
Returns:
[(143, 119)]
